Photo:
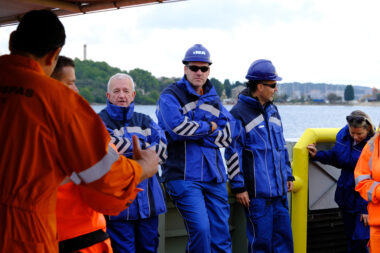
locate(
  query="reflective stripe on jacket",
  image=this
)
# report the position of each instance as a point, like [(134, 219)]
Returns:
[(47, 133), (122, 123), (193, 149), (260, 150), (367, 178)]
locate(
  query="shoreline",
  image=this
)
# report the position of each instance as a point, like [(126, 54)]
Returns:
[(280, 103), (372, 104)]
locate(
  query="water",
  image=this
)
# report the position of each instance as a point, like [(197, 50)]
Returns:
[(297, 118)]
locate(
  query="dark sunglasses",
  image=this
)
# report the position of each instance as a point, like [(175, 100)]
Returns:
[(355, 119), (273, 85), (196, 68)]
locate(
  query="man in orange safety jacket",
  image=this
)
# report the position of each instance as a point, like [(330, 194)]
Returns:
[(367, 180), (79, 226), (49, 132)]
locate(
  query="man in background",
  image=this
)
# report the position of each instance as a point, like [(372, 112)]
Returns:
[(79, 226), (64, 72), (258, 163), (47, 133), (136, 228)]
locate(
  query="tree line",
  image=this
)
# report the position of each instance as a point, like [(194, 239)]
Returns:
[(92, 79)]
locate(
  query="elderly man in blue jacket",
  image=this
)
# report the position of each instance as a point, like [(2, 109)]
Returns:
[(196, 126), (259, 165), (136, 228)]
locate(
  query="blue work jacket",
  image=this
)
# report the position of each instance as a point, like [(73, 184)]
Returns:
[(193, 148), (257, 160), (122, 123)]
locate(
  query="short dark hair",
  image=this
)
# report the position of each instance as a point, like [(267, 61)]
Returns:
[(38, 33), (62, 62), (252, 85)]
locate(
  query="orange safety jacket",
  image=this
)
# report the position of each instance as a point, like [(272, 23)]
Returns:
[(74, 216), (367, 178), (48, 132)]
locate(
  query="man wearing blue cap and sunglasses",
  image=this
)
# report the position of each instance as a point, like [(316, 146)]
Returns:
[(261, 161), (196, 126)]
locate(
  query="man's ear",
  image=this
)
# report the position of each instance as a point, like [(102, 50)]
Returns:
[(52, 56), (260, 87), (11, 41)]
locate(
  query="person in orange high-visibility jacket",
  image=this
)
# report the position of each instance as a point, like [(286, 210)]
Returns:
[(48, 133), (79, 226), (367, 180)]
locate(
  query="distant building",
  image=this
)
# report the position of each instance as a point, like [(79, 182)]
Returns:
[(319, 90), (236, 91)]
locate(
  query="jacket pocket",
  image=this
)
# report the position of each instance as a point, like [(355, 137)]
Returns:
[(258, 207)]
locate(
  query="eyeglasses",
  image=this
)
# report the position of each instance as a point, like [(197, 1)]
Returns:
[(196, 68), (272, 85), (355, 119)]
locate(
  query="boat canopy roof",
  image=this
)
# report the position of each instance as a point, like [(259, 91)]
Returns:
[(11, 11)]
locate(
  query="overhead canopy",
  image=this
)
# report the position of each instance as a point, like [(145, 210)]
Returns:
[(12, 10)]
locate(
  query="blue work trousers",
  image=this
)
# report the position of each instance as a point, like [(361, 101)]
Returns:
[(268, 226), (357, 234), (134, 236), (205, 210)]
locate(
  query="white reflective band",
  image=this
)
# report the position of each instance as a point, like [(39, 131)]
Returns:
[(255, 122), (122, 144), (234, 156), (211, 109), (275, 121), (233, 166), (194, 129), (190, 106), (126, 147), (229, 133), (75, 178), (369, 193), (225, 137), (139, 130), (217, 139), (371, 144), (180, 126), (98, 170), (234, 173), (235, 163), (189, 129), (118, 132), (186, 128), (161, 150), (361, 178)]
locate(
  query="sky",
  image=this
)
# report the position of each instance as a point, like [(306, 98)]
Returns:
[(318, 41)]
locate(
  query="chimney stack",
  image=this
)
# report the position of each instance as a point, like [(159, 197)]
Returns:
[(84, 52)]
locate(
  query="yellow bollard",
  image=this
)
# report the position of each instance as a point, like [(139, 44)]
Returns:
[(300, 166)]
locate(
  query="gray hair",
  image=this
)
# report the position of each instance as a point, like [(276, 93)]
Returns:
[(367, 123), (119, 76)]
